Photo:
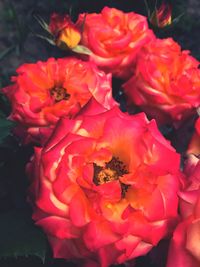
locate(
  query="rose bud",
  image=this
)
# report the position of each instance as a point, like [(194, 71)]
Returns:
[(166, 83), (104, 187), (43, 92), (65, 33), (115, 47), (162, 16)]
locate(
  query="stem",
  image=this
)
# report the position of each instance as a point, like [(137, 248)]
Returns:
[(147, 8)]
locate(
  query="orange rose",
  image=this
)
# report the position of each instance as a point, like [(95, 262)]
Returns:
[(114, 38), (43, 92), (166, 84), (105, 187)]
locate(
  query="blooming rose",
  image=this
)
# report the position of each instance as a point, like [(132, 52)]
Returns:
[(185, 246), (64, 31), (45, 91), (104, 187), (115, 47), (166, 83)]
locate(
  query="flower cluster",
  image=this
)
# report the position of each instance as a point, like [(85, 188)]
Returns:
[(106, 186)]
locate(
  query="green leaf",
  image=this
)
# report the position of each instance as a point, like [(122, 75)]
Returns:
[(83, 24), (19, 236), (50, 41), (177, 19), (5, 127), (147, 9), (42, 23), (80, 49)]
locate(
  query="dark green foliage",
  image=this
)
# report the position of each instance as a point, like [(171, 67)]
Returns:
[(19, 236)]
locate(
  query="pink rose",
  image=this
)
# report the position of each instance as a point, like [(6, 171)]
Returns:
[(43, 92), (104, 187), (116, 46), (184, 249), (166, 83)]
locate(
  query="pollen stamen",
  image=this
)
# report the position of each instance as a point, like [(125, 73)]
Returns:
[(111, 172), (59, 93)]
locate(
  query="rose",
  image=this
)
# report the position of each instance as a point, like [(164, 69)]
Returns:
[(105, 187), (184, 249), (192, 171), (193, 151), (194, 146), (115, 47), (45, 91), (166, 83), (64, 31)]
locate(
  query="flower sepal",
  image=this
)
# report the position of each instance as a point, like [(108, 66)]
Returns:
[(81, 49)]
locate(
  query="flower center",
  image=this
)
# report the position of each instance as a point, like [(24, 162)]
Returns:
[(59, 93), (110, 172)]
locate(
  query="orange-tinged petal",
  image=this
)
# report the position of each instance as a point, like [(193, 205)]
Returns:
[(193, 239), (44, 92), (115, 48), (103, 235), (106, 174), (163, 84)]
